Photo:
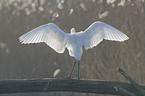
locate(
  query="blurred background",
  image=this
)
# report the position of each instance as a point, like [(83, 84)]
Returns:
[(19, 61)]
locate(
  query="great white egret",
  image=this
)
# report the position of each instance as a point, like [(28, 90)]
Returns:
[(58, 40)]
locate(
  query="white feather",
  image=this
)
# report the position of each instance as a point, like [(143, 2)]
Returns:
[(75, 41), (98, 31), (50, 33), (53, 36)]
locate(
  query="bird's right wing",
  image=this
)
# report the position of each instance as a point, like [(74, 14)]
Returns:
[(98, 31), (49, 33)]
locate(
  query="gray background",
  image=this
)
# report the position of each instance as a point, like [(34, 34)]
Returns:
[(40, 61)]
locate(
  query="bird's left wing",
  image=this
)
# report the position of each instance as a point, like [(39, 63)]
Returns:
[(49, 33), (98, 31)]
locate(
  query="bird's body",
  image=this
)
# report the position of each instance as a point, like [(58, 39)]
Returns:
[(74, 44), (53, 36)]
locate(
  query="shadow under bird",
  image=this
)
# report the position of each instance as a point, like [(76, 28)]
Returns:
[(58, 40)]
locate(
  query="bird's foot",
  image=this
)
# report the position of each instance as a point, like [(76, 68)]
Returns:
[(68, 77), (78, 78)]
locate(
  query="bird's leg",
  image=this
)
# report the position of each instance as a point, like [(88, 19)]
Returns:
[(72, 70), (78, 70)]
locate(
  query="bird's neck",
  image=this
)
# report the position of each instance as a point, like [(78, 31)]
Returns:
[(73, 31)]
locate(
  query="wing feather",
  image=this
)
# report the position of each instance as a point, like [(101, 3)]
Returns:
[(49, 33), (98, 31)]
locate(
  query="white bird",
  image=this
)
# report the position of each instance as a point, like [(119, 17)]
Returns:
[(58, 40)]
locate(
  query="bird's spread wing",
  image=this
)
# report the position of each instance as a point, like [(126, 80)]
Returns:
[(98, 31), (49, 33)]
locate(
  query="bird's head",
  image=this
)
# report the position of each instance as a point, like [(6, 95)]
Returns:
[(73, 31)]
